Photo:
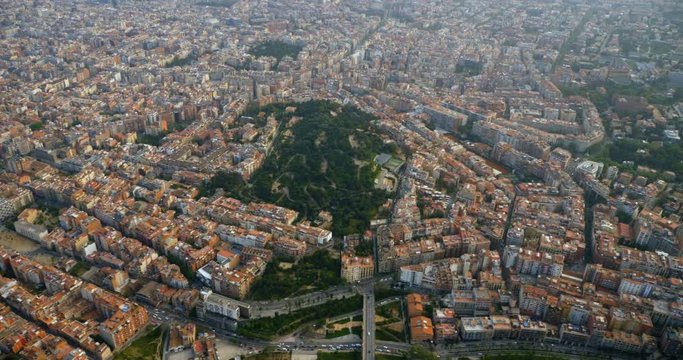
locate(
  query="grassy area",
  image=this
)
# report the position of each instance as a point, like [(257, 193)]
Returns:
[(317, 271), (268, 328), (390, 311), (385, 334), (340, 322), (79, 269), (145, 347), (338, 333), (357, 330)]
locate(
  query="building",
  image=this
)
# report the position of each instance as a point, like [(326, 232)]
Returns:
[(671, 342), (523, 328), (421, 329), (34, 232), (574, 335), (476, 328), (622, 341), (414, 303), (289, 248), (12, 200), (533, 301), (222, 305), (181, 337), (355, 268)]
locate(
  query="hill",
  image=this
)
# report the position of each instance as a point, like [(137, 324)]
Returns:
[(322, 159)]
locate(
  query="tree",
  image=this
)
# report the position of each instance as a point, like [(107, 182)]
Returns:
[(419, 353), (36, 126), (364, 248)]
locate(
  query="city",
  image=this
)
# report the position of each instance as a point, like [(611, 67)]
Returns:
[(341, 179)]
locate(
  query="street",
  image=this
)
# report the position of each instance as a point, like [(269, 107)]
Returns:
[(368, 320)]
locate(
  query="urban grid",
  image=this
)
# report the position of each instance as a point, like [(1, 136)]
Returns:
[(341, 179)]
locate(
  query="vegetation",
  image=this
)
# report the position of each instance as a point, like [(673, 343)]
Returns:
[(386, 334), (420, 353), (317, 271), (269, 353), (154, 140), (571, 40), (391, 312), (623, 217), (340, 322), (79, 269), (354, 355), (470, 70), (36, 126), (145, 347), (182, 61), (184, 268), (655, 92), (267, 328), (277, 49), (338, 333), (217, 3), (526, 355), (232, 184), (658, 156), (386, 292), (364, 248), (49, 219), (9, 222), (323, 161)]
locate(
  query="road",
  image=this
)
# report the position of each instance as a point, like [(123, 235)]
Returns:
[(370, 345), (261, 309), (387, 347), (367, 290)]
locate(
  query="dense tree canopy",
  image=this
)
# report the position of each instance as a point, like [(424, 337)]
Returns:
[(324, 162), (277, 49), (321, 160), (658, 156), (317, 271)]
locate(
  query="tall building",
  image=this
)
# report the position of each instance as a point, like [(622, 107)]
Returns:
[(355, 268)]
